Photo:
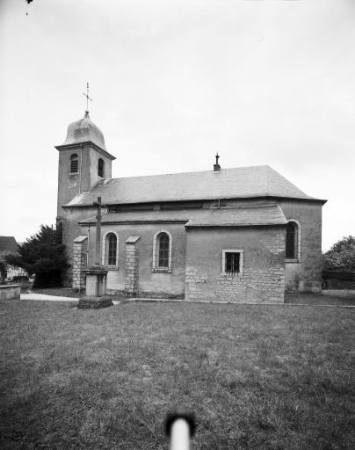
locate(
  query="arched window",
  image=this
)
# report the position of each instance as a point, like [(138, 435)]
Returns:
[(162, 252), (110, 249), (74, 163), (292, 240), (100, 168)]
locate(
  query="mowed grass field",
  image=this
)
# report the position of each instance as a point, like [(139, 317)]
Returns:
[(257, 377)]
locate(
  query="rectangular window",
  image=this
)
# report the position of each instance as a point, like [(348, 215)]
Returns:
[(232, 262)]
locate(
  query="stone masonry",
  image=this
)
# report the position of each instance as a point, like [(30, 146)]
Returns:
[(79, 262), (255, 285), (132, 266), (262, 273), (194, 279)]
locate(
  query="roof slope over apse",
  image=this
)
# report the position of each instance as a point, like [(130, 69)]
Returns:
[(270, 214), (245, 182), (266, 215), (8, 244)]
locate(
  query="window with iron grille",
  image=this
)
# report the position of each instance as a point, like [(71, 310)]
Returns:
[(74, 163), (100, 168), (163, 250), (232, 262), (111, 249), (291, 240)]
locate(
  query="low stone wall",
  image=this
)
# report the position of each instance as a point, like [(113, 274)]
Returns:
[(339, 284), (339, 293), (10, 292)]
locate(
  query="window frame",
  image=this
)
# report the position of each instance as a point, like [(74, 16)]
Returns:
[(241, 262), (105, 250), (297, 243), (156, 253)]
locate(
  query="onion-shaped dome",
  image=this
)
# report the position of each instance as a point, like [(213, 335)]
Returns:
[(84, 130)]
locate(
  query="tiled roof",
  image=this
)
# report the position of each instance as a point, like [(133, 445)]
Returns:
[(245, 182), (8, 244), (269, 215), (244, 216)]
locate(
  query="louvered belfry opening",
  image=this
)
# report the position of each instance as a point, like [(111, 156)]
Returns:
[(74, 163), (100, 169)]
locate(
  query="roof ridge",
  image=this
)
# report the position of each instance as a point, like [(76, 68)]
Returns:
[(187, 173)]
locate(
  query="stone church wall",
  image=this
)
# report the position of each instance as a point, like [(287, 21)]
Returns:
[(72, 230), (151, 284), (306, 273), (262, 277)]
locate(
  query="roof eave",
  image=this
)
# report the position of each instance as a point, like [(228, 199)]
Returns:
[(206, 199), (83, 144), (235, 225)]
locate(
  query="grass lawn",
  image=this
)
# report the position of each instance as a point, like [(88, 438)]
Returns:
[(257, 377)]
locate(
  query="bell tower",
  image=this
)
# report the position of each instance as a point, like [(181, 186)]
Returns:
[(83, 161)]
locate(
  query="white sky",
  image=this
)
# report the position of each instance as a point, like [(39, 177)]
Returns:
[(173, 81)]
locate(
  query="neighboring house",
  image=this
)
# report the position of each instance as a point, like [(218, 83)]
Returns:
[(235, 235), (8, 245)]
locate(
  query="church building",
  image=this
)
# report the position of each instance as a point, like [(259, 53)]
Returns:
[(233, 235)]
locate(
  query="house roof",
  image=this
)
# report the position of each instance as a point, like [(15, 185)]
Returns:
[(244, 182), (269, 214), (8, 244)]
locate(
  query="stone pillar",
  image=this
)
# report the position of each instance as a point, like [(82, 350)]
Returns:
[(132, 266), (79, 262)]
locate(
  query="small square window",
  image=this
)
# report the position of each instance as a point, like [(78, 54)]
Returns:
[(232, 262)]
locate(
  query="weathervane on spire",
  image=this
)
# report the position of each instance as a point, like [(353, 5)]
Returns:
[(87, 99)]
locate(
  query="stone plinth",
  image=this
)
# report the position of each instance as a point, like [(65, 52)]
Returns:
[(10, 291), (96, 282), (95, 302)]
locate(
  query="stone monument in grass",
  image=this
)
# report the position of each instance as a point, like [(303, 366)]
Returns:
[(96, 275)]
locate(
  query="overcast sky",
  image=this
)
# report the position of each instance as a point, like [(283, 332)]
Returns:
[(173, 82)]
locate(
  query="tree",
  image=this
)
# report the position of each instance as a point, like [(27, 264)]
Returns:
[(43, 254), (341, 256)]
